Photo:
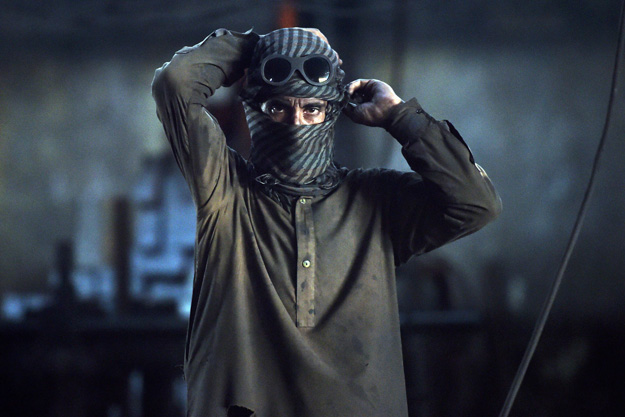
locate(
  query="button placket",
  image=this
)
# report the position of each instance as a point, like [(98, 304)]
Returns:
[(305, 291)]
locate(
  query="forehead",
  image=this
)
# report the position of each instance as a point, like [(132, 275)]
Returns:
[(293, 101)]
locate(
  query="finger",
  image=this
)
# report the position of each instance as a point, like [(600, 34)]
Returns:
[(350, 111), (355, 85), (336, 54)]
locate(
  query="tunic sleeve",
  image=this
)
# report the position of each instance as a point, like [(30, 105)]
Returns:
[(181, 89), (450, 197)]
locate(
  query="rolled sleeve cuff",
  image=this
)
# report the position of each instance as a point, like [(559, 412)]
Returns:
[(407, 120), (408, 123)]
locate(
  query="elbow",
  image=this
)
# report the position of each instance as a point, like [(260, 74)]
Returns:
[(163, 81), (157, 81), (487, 202), (466, 219), (486, 212), (498, 208), (169, 80), (493, 209)]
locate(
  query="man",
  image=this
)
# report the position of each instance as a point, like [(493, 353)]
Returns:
[(294, 310)]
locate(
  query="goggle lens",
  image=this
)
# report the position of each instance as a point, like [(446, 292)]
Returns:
[(277, 70), (317, 70)]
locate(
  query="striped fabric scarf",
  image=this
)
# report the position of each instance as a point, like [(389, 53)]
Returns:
[(297, 159)]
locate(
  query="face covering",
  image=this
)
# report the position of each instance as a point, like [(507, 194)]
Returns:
[(297, 158)]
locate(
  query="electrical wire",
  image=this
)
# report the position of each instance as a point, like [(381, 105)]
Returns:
[(548, 304)]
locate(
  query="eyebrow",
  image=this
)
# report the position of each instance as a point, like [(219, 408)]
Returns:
[(284, 102), (276, 101), (316, 103)]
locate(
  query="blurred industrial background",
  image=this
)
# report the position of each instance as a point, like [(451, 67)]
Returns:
[(97, 227)]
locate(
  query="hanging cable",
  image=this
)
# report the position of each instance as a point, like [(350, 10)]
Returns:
[(548, 304)]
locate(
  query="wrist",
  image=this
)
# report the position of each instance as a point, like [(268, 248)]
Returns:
[(393, 105)]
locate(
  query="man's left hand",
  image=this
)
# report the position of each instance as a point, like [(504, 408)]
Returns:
[(371, 102)]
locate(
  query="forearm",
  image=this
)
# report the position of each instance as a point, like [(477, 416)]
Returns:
[(194, 73), (436, 151)]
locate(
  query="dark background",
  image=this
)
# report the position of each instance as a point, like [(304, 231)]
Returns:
[(96, 226)]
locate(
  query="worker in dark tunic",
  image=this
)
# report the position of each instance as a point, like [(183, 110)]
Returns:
[(294, 310)]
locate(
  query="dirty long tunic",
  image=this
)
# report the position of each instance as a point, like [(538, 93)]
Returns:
[(294, 312)]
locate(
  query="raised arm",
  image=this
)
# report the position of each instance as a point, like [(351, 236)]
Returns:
[(451, 197), (181, 89)]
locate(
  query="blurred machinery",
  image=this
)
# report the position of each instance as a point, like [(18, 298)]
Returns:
[(108, 340)]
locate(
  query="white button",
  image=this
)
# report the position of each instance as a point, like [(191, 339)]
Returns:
[(306, 263), (302, 200)]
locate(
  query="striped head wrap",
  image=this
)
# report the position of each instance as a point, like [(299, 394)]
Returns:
[(299, 157)]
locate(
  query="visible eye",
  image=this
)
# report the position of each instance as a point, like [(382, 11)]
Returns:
[(314, 108), (276, 108)]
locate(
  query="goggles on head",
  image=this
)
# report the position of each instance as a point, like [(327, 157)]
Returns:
[(278, 69)]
